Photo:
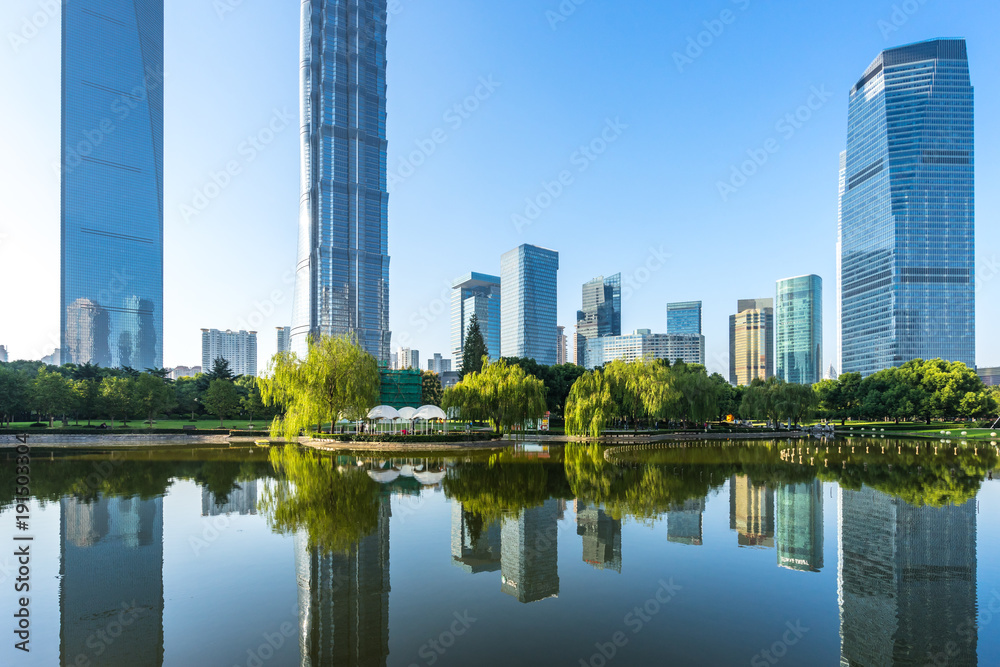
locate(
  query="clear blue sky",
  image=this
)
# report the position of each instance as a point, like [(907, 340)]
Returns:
[(560, 83)]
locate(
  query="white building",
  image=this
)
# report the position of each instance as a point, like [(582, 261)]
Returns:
[(643, 343), (407, 358), (184, 372), (438, 365), (238, 348)]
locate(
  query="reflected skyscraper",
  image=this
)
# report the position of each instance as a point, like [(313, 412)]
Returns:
[(529, 555), (344, 600), (602, 537), (111, 307), (800, 526), (242, 500), (907, 581), (685, 522), (751, 512), (907, 232), (342, 274), (122, 539), (474, 547)]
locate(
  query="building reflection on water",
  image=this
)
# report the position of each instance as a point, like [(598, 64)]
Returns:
[(602, 537), (529, 553), (907, 581), (751, 512), (241, 500), (800, 526), (111, 581), (685, 522), (474, 547)]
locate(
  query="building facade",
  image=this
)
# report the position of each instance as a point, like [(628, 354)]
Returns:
[(528, 301), (642, 344), (561, 356), (184, 372), (239, 348), (407, 359), (751, 341), (990, 376), (3, 353), (111, 287), (751, 512), (475, 294), (284, 339), (601, 311), (438, 364), (800, 526), (798, 321), (342, 274), (684, 318), (908, 211)]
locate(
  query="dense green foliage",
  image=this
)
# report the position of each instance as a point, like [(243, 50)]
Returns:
[(558, 381), (431, 391), (776, 400), (474, 351), (501, 394)]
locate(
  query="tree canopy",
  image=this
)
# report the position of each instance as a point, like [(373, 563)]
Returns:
[(475, 348), (501, 394)]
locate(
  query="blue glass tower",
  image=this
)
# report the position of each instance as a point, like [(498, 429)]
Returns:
[(528, 299), (475, 294), (111, 291), (601, 313), (799, 326), (908, 211), (684, 318), (342, 275)]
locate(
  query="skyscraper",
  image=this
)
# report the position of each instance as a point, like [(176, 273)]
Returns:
[(284, 339), (111, 303), (907, 581), (528, 304), (601, 312), (239, 348), (800, 526), (342, 275), (561, 357), (751, 341), (3, 353), (684, 318), (908, 211), (799, 330), (475, 294)]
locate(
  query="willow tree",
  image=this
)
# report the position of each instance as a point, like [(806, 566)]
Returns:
[(501, 394), (337, 379), (589, 407)]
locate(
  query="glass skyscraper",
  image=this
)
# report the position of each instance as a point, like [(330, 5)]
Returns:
[(799, 330), (908, 211), (528, 304), (111, 291), (684, 318), (475, 294), (342, 275), (601, 314)]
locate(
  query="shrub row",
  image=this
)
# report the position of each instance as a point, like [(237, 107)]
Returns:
[(396, 438)]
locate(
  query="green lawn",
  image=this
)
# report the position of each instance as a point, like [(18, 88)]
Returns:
[(923, 430)]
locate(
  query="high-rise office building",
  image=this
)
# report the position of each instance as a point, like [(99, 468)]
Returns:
[(239, 348), (840, 259), (284, 339), (684, 318), (528, 300), (642, 344), (798, 323), (529, 553), (751, 341), (3, 353), (751, 512), (601, 312), (561, 357), (342, 275), (475, 294), (344, 598), (111, 305), (800, 526), (907, 581), (990, 376), (438, 364), (685, 522), (474, 548), (53, 359), (601, 536), (908, 281), (407, 359), (122, 539)]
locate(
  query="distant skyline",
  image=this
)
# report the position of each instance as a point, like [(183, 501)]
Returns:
[(620, 151)]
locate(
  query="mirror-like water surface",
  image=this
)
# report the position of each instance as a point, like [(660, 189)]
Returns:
[(862, 552)]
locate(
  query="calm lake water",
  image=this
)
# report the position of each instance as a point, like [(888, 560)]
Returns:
[(862, 552)]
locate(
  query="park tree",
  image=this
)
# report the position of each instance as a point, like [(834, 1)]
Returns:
[(501, 394), (251, 403), (52, 394), (222, 400), (338, 378), (187, 395), (589, 407), (152, 396), (220, 371), (118, 397), (15, 388), (431, 391), (88, 397), (475, 348)]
